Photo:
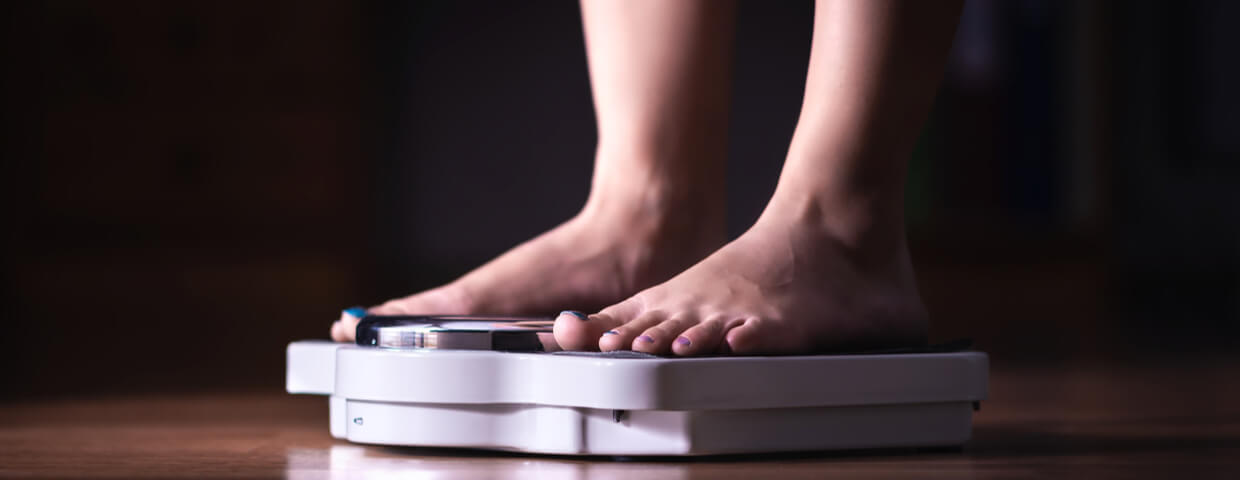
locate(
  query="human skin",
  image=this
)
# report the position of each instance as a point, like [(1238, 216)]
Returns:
[(659, 72), (825, 267)]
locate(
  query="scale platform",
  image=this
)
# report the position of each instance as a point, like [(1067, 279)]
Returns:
[(629, 404)]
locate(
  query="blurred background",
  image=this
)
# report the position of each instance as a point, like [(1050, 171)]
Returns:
[(190, 185)]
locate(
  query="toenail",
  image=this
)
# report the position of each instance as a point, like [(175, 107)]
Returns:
[(357, 312), (646, 338), (611, 332), (575, 313), (682, 340)]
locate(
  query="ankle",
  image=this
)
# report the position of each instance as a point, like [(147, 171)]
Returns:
[(653, 217), (657, 194), (869, 223)]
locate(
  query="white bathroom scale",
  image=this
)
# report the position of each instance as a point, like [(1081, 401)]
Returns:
[(440, 386)]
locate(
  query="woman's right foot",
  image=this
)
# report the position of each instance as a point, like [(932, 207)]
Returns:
[(621, 243)]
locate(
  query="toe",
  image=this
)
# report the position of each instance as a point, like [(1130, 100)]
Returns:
[(624, 336), (704, 338), (345, 329), (762, 336), (659, 339), (577, 331)]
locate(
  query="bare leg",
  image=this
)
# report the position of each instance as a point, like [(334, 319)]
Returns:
[(659, 71), (826, 266)]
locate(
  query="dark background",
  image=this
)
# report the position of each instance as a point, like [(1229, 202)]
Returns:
[(189, 185)]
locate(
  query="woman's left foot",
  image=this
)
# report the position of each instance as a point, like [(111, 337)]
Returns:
[(791, 284)]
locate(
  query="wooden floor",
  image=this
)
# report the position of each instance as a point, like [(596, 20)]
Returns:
[(1127, 421)]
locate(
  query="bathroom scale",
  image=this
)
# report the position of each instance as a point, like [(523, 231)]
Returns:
[(500, 383)]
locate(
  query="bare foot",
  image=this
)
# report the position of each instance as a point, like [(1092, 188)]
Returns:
[(619, 244), (827, 266), (794, 283)]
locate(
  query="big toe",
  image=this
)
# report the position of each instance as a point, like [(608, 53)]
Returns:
[(577, 331), (345, 329)]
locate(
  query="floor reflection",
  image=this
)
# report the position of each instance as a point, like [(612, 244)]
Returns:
[(358, 462)]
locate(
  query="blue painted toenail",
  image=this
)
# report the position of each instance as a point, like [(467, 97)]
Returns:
[(575, 314), (357, 312), (682, 341), (611, 332), (646, 338)]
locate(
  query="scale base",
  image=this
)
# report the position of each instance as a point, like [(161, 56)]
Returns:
[(575, 405), (588, 431)]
